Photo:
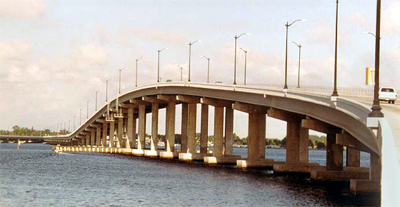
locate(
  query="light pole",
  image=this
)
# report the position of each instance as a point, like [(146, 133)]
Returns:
[(376, 107), (74, 122), (158, 65), (208, 68), (137, 60), (95, 108), (181, 72), (298, 72), (234, 65), (287, 31), (107, 90), (190, 55), (335, 93), (87, 109), (80, 116), (119, 113), (119, 81), (245, 65)]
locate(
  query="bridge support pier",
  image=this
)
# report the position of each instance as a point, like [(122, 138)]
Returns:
[(129, 129), (296, 149), (184, 127), (204, 129), (256, 143), (111, 134), (120, 125), (169, 152), (92, 138), (191, 134), (105, 132), (352, 157), (154, 132), (87, 141), (334, 170), (223, 148), (98, 136), (142, 131)]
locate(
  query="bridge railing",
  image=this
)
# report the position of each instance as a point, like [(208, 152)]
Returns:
[(390, 182)]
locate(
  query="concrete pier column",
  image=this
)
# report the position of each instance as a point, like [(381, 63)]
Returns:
[(98, 136), (92, 137), (228, 130), (170, 127), (129, 129), (87, 142), (104, 138), (119, 143), (184, 127), (292, 142), (375, 167), (352, 157), (218, 130), (191, 138), (133, 143), (142, 127), (204, 129), (253, 140), (261, 142), (154, 126), (111, 134), (303, 144), (334, 154), (296, 142)]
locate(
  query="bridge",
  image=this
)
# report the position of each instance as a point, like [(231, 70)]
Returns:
[(112, 129), (61, 139)]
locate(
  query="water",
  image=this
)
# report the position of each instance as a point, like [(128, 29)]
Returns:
[(36, 176), (317, 156)]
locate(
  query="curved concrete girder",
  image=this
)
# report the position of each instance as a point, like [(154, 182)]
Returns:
[(318, 107)]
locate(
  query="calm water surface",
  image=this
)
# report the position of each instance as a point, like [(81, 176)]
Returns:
[(36, 176)]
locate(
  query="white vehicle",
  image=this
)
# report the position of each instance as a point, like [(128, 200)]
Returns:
[(387, 94)]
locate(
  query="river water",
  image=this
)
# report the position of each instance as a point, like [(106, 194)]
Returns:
[(36, 176)]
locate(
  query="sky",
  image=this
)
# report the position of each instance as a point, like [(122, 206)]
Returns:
[(55, 55)]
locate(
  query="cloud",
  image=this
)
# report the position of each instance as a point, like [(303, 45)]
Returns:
[(14, 50), (159, 35), (91, 54), (359, 19), (324, 33), (22, 9), (391, 20)]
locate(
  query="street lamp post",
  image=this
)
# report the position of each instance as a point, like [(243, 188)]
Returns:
[(335, 93), (80, 116), (376, 108), (95, 108), (298, 72), (137, 60), (208, 68), (158, 65), (234, 65), (287, 31), (181, 72), (119, 113), (245, 65), (190, 55), (74, 122), (87, 109)]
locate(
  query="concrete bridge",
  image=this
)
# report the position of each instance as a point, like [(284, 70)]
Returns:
[(64, 140), (112, 129)]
